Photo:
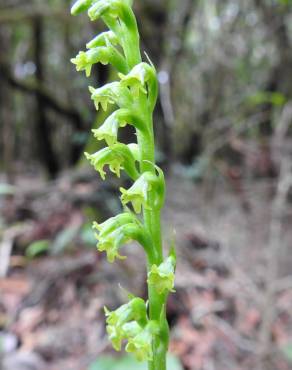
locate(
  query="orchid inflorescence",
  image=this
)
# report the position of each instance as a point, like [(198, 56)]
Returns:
[(142, 325)]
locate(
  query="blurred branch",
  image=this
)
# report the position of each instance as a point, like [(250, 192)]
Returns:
[(176, 32), (39, 90), (42, 126)]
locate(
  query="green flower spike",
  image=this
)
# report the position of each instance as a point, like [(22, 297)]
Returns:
[(111, 93), (162, 277), (118, 157), (141, 344), (143, 326)]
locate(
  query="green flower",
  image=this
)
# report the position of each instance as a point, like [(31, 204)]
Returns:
[(85, 60), (108, 131), (138, 77), (162, 277), (137, 194), (115, 222), (112, 242), (111, 93), (104, 157), (118, 157), (119, 322), (135, 309), (113, 9), (109, 8)]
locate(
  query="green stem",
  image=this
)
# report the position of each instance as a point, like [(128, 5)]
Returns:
[(152, 222)]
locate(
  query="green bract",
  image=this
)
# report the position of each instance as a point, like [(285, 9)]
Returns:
[(142, 326)]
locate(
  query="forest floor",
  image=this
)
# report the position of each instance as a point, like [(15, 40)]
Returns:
[(51, 302)]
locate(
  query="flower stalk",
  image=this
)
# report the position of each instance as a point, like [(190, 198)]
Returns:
[(141, 326)]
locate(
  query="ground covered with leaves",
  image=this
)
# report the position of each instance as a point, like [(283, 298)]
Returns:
[(54, 284)]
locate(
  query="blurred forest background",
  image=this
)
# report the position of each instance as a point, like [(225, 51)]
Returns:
[(223, 133)]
